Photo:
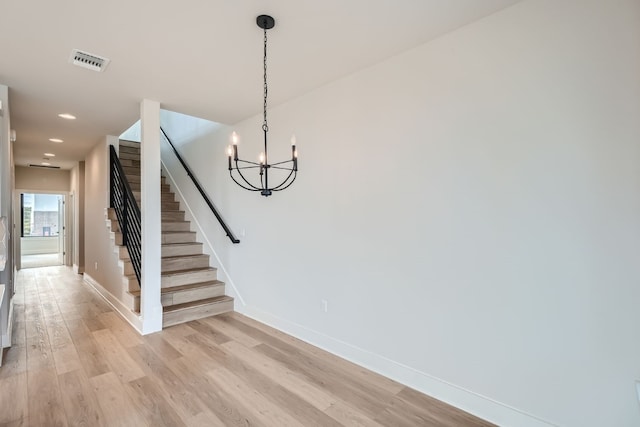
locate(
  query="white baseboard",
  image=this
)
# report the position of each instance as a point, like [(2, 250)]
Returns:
[(7, 338), (77, 269), (467, 400), (131, 317)]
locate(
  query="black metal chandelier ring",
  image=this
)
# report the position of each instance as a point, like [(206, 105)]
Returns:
[(236, 165)]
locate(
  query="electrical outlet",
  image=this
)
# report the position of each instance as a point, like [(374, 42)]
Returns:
[(96, 265), (638, 390), (325, 306)]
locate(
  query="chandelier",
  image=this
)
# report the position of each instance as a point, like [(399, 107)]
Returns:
[(237, 166)]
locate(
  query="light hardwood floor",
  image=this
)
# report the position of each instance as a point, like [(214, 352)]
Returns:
[(74, 361)]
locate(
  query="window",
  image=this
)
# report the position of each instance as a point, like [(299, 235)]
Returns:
[(40, 214)]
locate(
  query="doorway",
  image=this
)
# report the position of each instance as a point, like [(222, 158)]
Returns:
[(42, 230)]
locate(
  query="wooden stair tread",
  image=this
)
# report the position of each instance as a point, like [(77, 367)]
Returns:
[(188, 305), (189, 270), (171, 257), (182, 243), (183, 287)]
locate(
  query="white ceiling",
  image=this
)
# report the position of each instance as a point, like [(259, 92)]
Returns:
[(197, 57)]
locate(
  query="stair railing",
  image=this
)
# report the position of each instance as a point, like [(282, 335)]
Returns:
[(224, 225), (127, 211)]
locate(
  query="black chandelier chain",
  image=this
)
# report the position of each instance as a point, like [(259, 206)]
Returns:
[(265, 125), (265, 22)]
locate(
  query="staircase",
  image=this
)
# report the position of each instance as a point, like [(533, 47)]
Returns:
[(190, 288)]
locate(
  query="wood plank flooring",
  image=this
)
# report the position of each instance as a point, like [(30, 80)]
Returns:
[(75, 362)]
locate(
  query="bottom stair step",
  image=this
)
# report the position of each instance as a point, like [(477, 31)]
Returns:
[(187, 293), (181, 313)]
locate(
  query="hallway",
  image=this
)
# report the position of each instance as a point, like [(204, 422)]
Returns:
[(74, 361)]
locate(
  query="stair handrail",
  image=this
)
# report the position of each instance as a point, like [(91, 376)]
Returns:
[(224, 225), (122, 200)]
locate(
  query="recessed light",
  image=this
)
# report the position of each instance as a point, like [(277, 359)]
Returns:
[(56, 140), (67, 116), (45, 164), (49, 154)]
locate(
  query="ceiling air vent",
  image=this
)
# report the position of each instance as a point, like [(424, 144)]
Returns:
[(88, 60), (43, 166)]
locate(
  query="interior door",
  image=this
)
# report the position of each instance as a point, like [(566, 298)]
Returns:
[(62, 231)]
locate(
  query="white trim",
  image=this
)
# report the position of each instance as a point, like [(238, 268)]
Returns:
[(7, 338), (151, 221), (131, 317), (467, 400), (201, 234)]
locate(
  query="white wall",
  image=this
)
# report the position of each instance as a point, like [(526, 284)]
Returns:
[(6, 210), (38, 179), (469, 209), (77, 198), (97, 243)]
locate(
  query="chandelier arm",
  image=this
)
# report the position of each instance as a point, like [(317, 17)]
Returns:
[(246, 180), (277, 187), (280, 163), (288, 185), (242, 176), (281, 168), (247, 161), (243, 186), (246, 167)]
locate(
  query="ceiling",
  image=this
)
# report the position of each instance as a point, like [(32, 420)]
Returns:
[(197, 57)]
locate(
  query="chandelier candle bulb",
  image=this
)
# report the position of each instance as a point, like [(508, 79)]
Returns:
[(293, 147), (229, 153), (234, 139)]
